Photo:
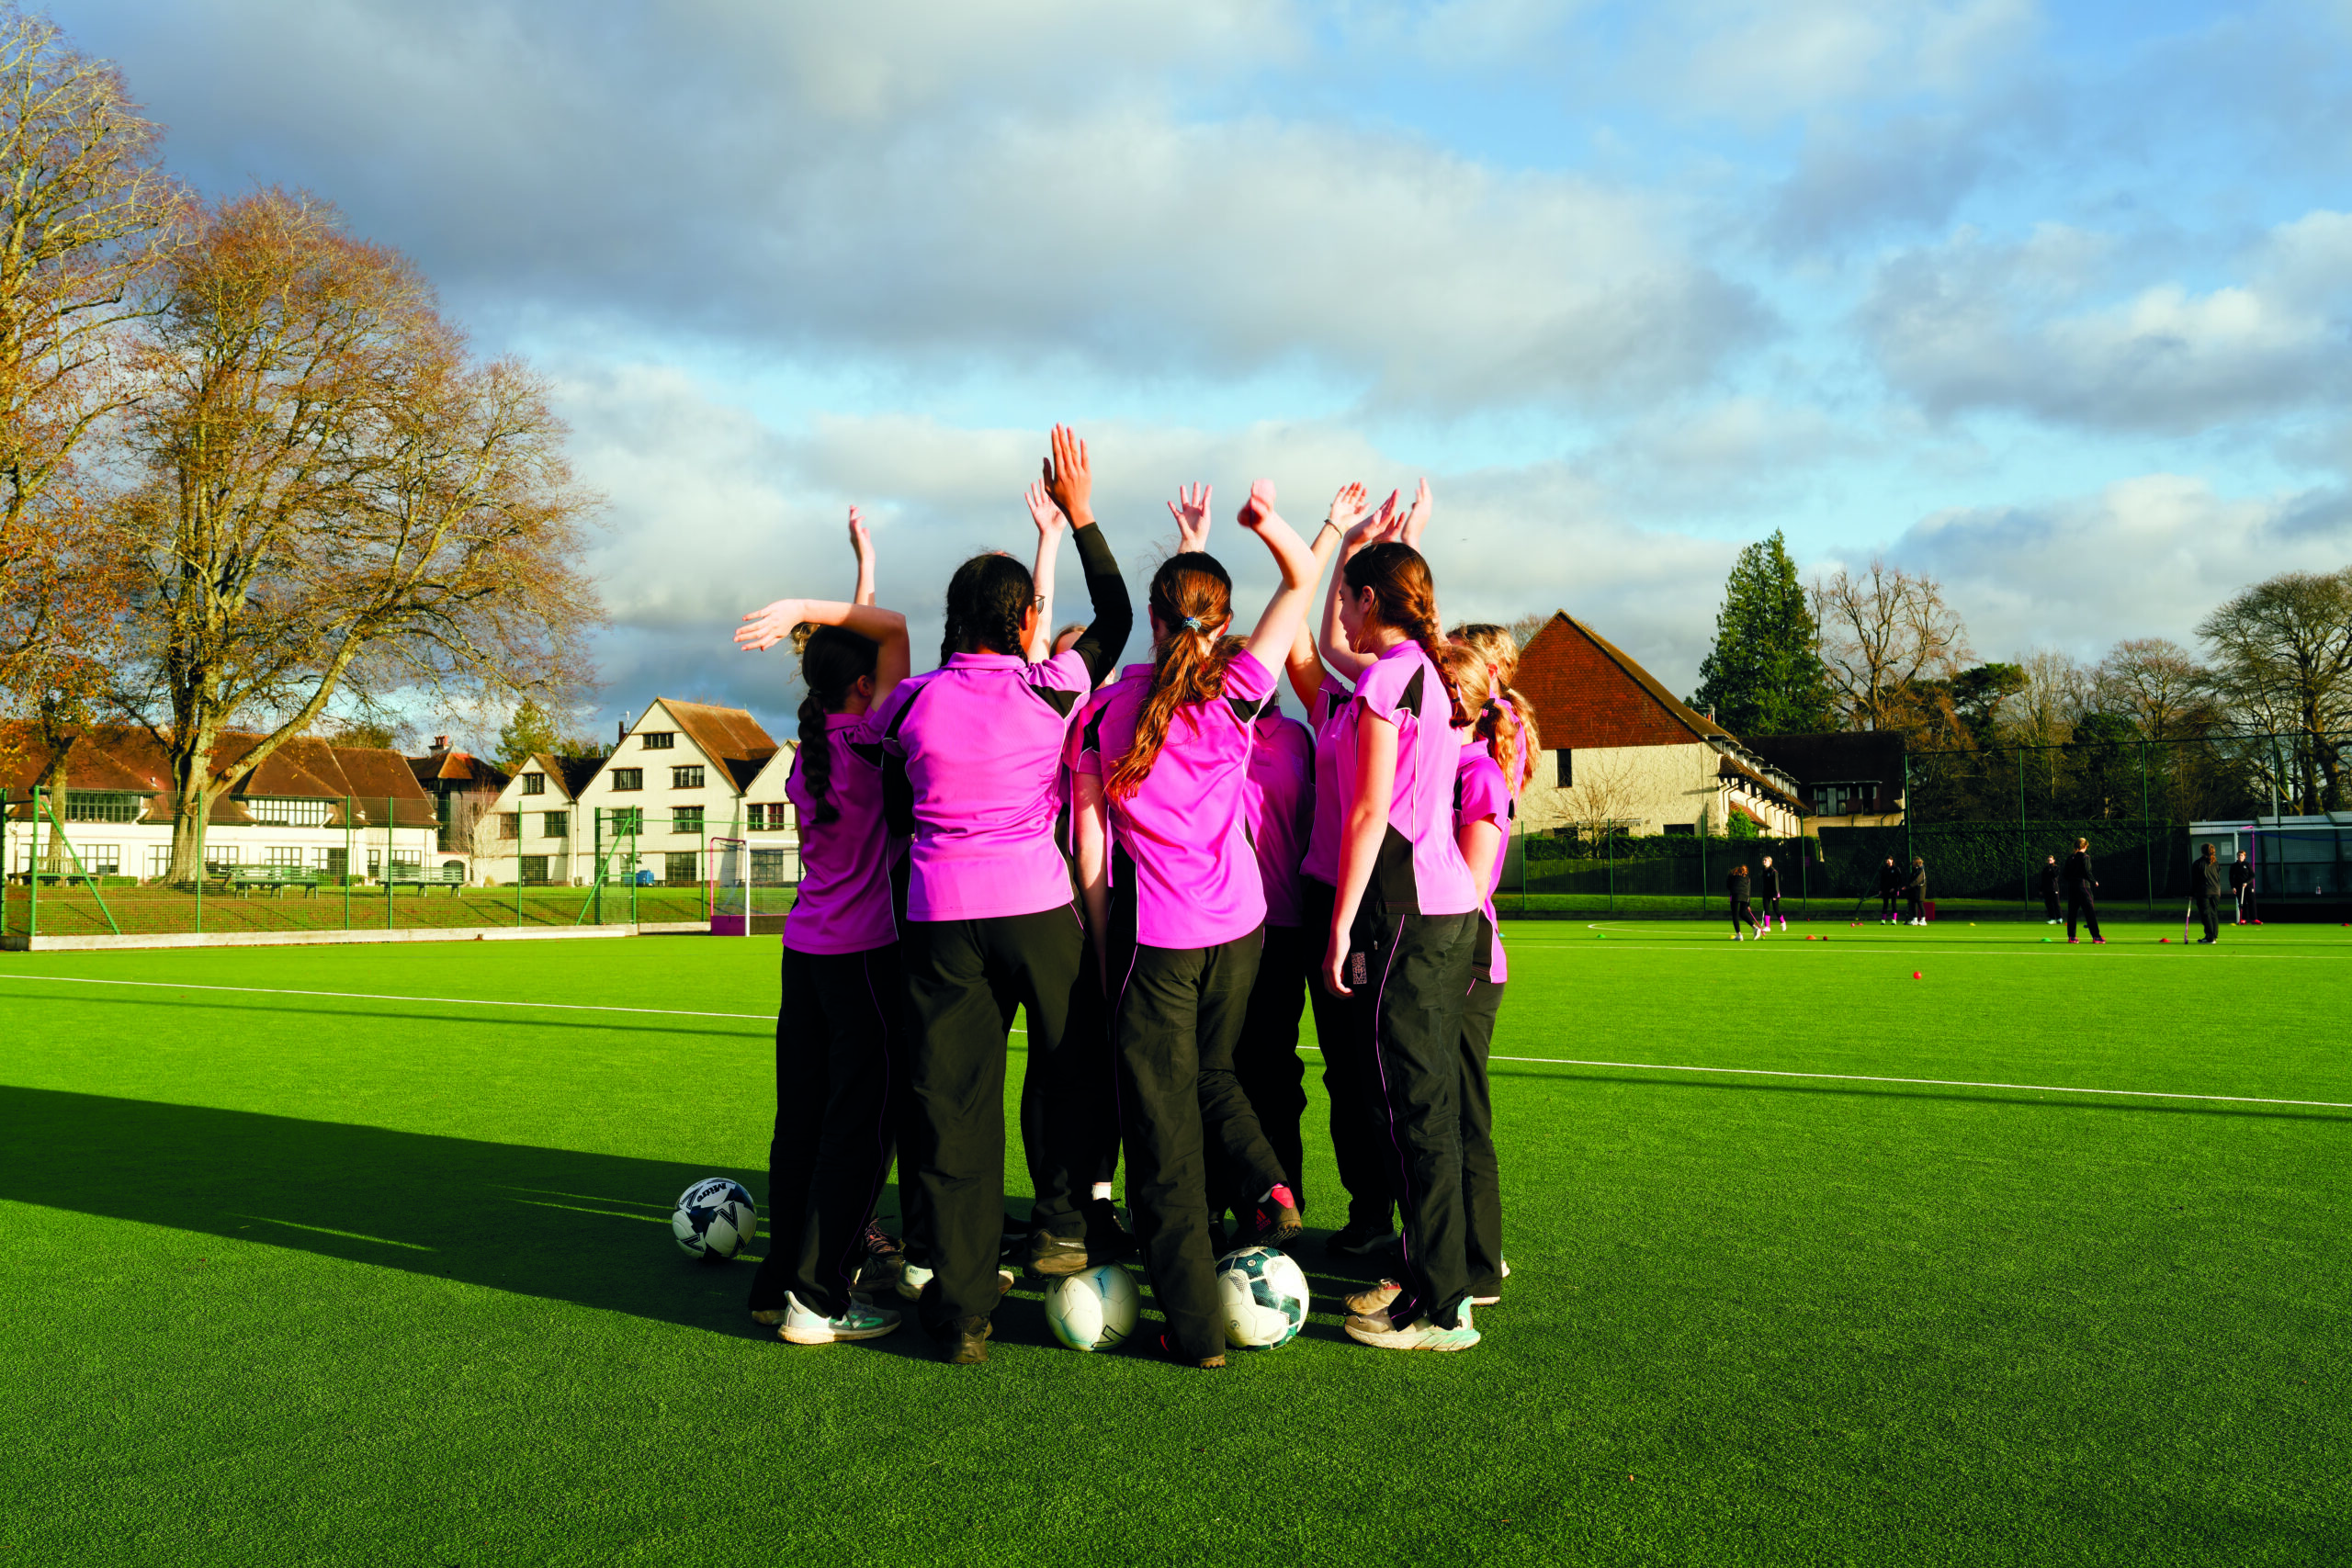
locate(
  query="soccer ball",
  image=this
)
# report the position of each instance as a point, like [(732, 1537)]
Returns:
[(1265, 1297), (715, 1219), (1094, 1308)]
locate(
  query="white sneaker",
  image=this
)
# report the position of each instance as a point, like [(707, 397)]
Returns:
[(859, 1321), (1421, 1333), (1366, 1304), (913, 1277)]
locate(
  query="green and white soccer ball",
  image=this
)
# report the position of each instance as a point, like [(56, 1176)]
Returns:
[(1265, 1297), (1094, 1308), (715, 1219)]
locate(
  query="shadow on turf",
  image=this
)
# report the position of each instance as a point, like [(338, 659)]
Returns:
[(1900, 1091)]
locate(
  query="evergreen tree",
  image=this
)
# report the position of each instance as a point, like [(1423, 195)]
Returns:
[(530, 732), (1764, 674)]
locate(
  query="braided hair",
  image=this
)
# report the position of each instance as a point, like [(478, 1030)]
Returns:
[(987, 599), (1507, 723), (833, 658), (1404, 597), (1189, 594)]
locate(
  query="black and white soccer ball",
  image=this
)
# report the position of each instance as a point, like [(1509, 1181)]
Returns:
[(1264, 1294), (715, 1219)]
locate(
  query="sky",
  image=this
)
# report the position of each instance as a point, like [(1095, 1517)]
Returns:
[(2048, 301)]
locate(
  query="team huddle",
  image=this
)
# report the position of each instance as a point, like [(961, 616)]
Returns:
[(1156, 869)]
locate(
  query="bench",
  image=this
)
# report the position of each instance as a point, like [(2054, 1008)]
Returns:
[(277, 878), (54, 878), (452, 878)]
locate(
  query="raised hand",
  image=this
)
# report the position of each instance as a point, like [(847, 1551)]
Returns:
[(1260, 507), (1346, 507), (763, 629), (1417, 518), (861, 545), (1190, 510), (1374, 527), (1069, 476), (1044, 514)]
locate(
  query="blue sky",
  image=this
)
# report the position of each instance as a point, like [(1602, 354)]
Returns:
[(2049, 301)]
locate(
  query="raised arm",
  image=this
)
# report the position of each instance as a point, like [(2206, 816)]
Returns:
[(1382, 525), (1190, 510), (764, 628), (1069, 483), (1417, 518), (861, 544), (1089, 817), (1050, 523), (1304, 665), (1285, 613)]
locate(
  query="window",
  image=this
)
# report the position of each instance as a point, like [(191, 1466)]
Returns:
[(679, 870), (335, 863), (279, 813), (767, 868), (686, 819), (626, 822), (1683, 827), (535, 784), (220, 857), (100, 860), (554, 824), (287, 855), (756, 816), (100, 806), (1563, 768), (534, 870), (658, 739), (510, 824), (159, 861), (685, 778), (628, 778), (410, 862)]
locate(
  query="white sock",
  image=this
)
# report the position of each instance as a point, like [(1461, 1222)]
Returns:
[(1102, 1190)]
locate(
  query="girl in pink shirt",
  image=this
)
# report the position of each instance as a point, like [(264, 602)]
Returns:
[(841, 1038), (1176, 903)]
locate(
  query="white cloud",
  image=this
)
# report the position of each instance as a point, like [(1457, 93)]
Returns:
[(1754, 60), (1976, 325)]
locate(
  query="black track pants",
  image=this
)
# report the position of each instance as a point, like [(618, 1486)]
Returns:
[(964, 980), (1267, 1060), (1887, 906), (1176, 1016), (1420, 981), (1917, 905), (1743, 910), (1347, 1063), (2209, 911), (1772, 910), (2049, 910), (841, 1047), (2081, 906), (2249, 907), (1482, 1197)]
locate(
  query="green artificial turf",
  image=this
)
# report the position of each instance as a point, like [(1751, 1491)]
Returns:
[(306, 1279)]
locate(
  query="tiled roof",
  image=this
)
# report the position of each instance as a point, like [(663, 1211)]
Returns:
[(1586, 691), (568, 776), (724, 735), (1730, 767), (127, 758), (456, 768)]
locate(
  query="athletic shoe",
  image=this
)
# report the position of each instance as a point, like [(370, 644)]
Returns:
[(1421, 1333), (2099, 942), (1361, 1238), (2073, 941), (1374, 1299), (965, 1345), (859, 1320), (1167, 1348), (1276, 1220), (1106, 1238), (1054, 1256), (913, 1277)]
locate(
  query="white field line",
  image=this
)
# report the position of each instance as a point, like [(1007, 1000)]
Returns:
[(1546, 1060)]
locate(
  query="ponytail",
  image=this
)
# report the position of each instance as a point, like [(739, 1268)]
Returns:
[(1513, 720), (832, 661), (1497, 713), (1191, 596), (1403, 598)]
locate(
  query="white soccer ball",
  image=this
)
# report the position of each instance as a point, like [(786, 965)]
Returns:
[(715, 1219), (1093, 1309), (1265, 1297)]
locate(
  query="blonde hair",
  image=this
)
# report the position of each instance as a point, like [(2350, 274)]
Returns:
[(1503, 714), (1480, 704)]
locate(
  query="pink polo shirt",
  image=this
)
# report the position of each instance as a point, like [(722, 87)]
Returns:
[(1480, 793), (1420, 867), (1277, 802), (1183, 831), (1322, 861), (844, 902)]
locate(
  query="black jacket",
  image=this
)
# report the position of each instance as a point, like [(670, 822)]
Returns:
[(1769, 879), (2077, 873), (2205, 877), (2241, 876), (2049, 878), (1737, 885), (1917, 886), (1890, 880)]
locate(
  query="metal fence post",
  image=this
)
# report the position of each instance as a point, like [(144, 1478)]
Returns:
[(2147, 850), (346, 863), (202, 811), (4, 837), (32, 873), (597, 864), (2025, 856), (391, 840)]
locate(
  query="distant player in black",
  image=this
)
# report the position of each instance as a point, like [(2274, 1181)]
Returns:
[(2050, 891), (2205, 891), (1737, 885), (1889, 884), (1915, 891), (1768, 885), (2241, 890), (2081, 887)]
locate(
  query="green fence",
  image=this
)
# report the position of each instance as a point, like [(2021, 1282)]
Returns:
[(79, 864)]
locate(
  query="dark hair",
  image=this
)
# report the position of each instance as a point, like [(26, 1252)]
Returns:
[(987, 599), (1739, 871), (1190, 592), (832, 661), (1404, 596)]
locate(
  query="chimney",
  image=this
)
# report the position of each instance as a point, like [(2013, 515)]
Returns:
[(440, 744), (620, 731)]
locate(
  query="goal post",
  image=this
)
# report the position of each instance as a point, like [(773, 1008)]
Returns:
[(748, 886)]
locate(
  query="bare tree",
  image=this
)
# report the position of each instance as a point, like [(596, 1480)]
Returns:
[(2056, 695), (2155, 684), (1886, 633), (86, 212), (2282, 663), (1524, 630), (1605, 798), (336, 498)]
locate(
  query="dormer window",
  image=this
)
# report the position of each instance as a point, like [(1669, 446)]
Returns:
[(658, 739), (535, 784)]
